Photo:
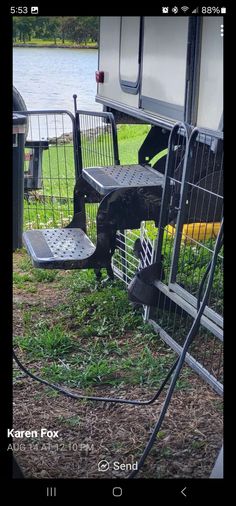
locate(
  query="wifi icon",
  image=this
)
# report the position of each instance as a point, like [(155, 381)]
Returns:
[(184, 8)]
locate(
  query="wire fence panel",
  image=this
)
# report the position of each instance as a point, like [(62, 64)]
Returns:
[(192, 209), (49, 169), (97, 139), (125, 263), (199, 220), (97, 147)]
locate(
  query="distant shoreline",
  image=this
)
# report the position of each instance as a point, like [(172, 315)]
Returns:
[(55, 46)]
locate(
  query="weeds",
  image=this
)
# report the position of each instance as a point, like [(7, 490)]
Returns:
[(72, 421), (93, 338), (46, 342), (44, 275), (30, 275)]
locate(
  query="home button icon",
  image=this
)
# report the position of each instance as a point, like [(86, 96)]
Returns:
[(117, 492)]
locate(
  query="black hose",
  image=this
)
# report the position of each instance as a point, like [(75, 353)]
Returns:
[(67, 393)]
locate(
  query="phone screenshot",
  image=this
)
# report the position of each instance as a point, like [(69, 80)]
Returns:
[(117, 239)]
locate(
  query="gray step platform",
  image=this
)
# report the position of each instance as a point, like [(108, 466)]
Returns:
[(106, 179), (61, 248)]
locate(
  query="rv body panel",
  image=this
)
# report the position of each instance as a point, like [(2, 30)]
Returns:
[(109, 61), (164, 66), (210, 101), (163, 69)]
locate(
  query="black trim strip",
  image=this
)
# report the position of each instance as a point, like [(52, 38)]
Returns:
[(148, 117), (164, 108), (193, 70)]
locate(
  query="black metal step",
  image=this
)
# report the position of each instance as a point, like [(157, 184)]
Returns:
[(61, 248), (106, 179)]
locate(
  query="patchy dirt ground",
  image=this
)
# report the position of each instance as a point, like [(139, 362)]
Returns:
[(187, 445), (89, 432)]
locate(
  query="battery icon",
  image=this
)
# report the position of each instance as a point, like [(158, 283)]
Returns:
[(223, 10)]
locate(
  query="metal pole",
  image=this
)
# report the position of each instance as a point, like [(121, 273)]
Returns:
[(19, 130)]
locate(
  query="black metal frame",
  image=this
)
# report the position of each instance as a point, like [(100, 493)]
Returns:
[(137, 204), (33, 178), (155, 142), (193, 70)]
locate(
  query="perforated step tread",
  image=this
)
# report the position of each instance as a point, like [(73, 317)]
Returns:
[(106, 179), (58, 248)]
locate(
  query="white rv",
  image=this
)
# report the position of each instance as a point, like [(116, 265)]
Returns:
[(162, 69)]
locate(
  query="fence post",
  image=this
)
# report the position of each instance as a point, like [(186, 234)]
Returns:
[(19, 130)]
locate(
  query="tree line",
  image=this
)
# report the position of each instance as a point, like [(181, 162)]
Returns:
[(77, 29)]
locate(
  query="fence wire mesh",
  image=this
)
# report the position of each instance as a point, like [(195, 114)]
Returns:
[(97, 139), (49, 169), (125, 263), (97, 146), (185, 248)]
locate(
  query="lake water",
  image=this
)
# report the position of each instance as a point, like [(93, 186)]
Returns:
[(47, 78)]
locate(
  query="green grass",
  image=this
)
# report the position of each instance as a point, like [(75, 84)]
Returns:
[(197, 444), (46, 341), (72, 421), (104, 315), (51, 42), (25, 264), (130, 140), (94, 338), (58, 178), (100, 367), (44, 275), (59, 172), (22, 280)]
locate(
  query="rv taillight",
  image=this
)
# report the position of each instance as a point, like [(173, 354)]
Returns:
[(99, 74)]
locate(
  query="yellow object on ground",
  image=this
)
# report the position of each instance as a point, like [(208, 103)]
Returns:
[(197, 231)]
